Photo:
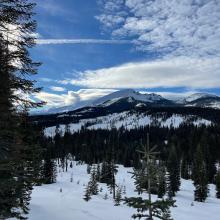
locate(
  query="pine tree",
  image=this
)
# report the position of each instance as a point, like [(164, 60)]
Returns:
[(161, 181), (200, 179), (111, 182), (8, 120), (118, 196), (93, 184), (17, 161), (87, 195), (185, 168), (27, 162), (218, 185), (145, 207), (160, 209), (173, 168), (49, 171), (98, 173), (107, 175), (104, 176)]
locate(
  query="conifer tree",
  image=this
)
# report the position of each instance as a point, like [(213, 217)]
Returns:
[(49, 171), (111, 182), (173, 168), (118, 196), (103, 177), (145, 207), (87, 195), (200, 179), (185, 168), (16, 163), (161, 181), (93, 184), (8, 198), (98, 173), (218, 185)]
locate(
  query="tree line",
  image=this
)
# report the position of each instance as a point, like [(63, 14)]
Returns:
[(188, 152)]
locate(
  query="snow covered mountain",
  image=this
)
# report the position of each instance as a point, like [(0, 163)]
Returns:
[(128, 96), (196, 96), (148, 98), (202, 100), (132, 109)]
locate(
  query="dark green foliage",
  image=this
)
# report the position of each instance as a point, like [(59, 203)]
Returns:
[(218, 185), (49, 171), (118, 196), (92, 186), (87, 195), (19, 147), (160, 208), (200, 179), (107, 175), (139, 180), (173, 168), (186, 138), (185, 168), (161, 181), (93, 183), (98, 173), (152, 177)]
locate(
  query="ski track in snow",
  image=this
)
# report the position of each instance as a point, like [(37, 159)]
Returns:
[(48, 203)]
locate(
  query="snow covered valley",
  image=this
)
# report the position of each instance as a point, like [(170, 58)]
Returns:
[(48, 203)]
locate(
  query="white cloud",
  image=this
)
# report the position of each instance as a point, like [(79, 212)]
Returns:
[(57, 88), (174, 27), (75, 98), (81, 41), (167, 73)]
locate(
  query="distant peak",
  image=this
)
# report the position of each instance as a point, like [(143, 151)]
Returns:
[(129, 93), (196, 96)]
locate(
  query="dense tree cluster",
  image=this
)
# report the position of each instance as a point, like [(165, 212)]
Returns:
[(179, 155), (21, 154)]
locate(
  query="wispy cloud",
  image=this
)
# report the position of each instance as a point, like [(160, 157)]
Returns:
[(81, 41), (57, 88), (166, 73)]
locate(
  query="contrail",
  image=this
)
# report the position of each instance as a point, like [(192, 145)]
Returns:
[(81, 41)]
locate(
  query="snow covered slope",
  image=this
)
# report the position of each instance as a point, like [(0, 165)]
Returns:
[(203, 100), (128, 120), (151, 97), (196, 96), (197, 100), (48, 203), (108, 100)]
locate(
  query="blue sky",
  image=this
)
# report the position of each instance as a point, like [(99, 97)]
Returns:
[(90, 48)]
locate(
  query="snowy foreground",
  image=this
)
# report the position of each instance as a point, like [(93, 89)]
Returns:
[(48, 203)]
